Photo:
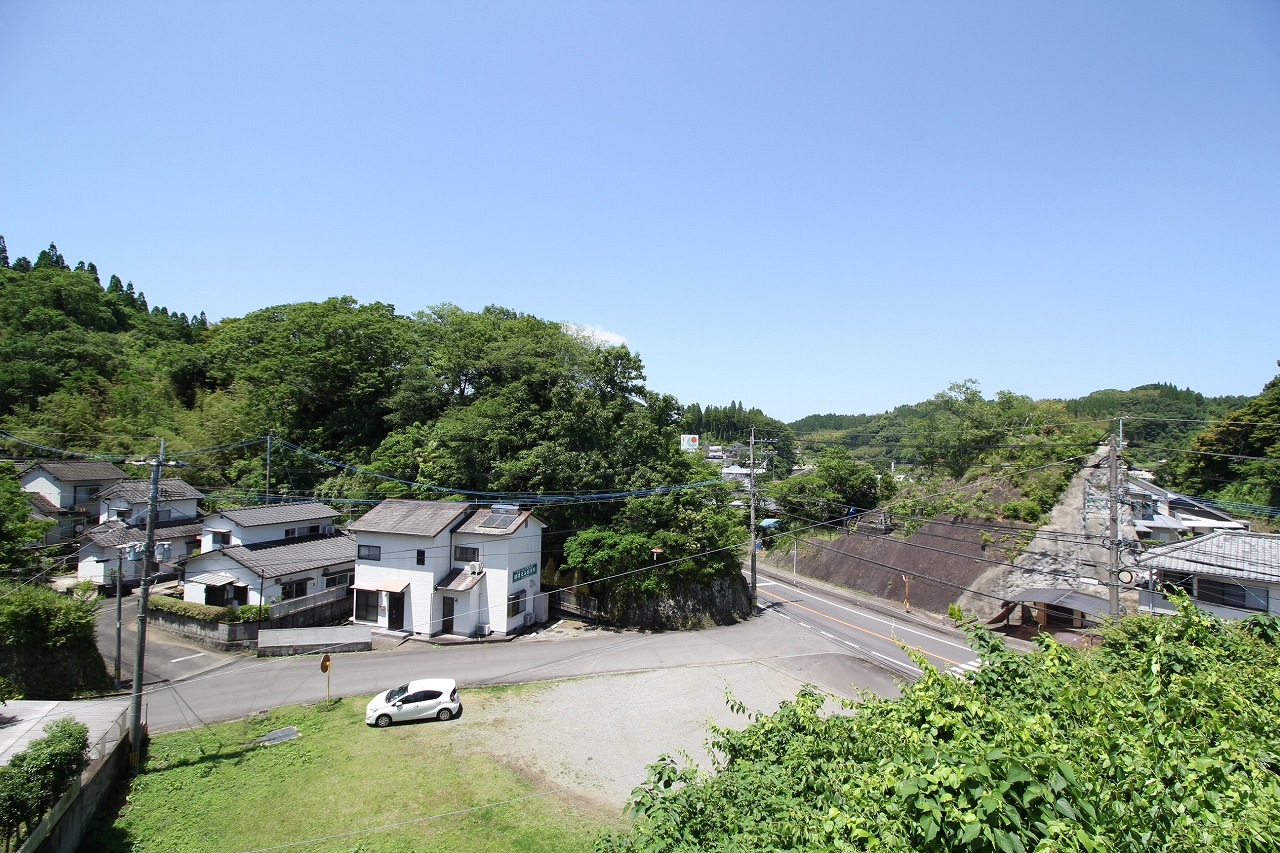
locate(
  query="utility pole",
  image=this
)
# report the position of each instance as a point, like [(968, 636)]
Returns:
[(148, 569), (751, 491), (1113, 564), (119, 593), (268, 494)]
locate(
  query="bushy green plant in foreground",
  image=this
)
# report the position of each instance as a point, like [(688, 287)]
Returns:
[(1164, 738), (36, 778)]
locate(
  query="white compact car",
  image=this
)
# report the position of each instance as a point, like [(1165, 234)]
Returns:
[(417, 700)]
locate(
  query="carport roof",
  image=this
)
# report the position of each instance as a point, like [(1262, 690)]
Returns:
[(1067, 598)]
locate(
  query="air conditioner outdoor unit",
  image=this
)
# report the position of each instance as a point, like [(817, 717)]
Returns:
[(528, 620), (328, 528), (474, 568)]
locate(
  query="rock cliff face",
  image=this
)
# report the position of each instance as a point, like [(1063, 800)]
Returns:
[(720, 601)]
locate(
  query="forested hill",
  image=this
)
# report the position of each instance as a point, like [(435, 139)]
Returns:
[(484, 402)]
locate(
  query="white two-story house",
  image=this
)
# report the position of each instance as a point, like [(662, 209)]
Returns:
[(251, 525), (67, 492), (437, 567), (127, 501)]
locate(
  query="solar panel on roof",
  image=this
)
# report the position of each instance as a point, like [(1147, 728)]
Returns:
[(501, 516)]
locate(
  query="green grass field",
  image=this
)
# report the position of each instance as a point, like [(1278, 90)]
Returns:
[(422, 786)]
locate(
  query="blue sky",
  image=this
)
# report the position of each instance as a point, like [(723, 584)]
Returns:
[(808, 207)]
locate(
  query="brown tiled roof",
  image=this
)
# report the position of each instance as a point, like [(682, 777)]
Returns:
[(43, 505), (424, 518)]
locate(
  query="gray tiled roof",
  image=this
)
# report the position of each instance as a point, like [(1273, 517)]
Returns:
[(274, 559), (113, 533), (423, 518), (256, 516), (1223, 553), (459, 580), (139, 491), (1069, 598), (69, 472)]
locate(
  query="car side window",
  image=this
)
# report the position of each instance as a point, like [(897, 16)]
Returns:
[(414, 697), (397, 693), (432, 694)]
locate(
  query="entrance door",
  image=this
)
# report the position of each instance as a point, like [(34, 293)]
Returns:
[(395, 611), (446, 623)]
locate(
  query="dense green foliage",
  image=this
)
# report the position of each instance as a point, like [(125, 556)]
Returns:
[(1164, 738), (442, 403), (18, 529), (47, 644), (1220, 465), (837, 483), (35, 779), (1157, 417)]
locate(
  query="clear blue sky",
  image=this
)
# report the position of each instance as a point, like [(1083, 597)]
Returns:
[(808, 207)]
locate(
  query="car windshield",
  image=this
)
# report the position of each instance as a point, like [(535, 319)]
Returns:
[(393, 695)]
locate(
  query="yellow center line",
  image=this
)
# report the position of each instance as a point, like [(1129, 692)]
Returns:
[(893, 640)]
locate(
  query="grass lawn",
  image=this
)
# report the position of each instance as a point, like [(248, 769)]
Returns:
[(213, 789)]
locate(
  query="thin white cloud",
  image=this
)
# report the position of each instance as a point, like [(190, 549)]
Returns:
[(596, 334)]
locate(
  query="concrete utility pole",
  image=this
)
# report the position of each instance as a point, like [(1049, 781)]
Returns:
[(751, 492), (119, 594), (1113, 563), (148, 569)]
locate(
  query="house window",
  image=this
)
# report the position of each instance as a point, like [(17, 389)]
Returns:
[(516, 603), (221, 537), (344, 579), (86, 494), (465, 554), (293, 589), (422, 557), (372, 553), (366, 605), (290, 532), (164, 514), (1231, 594)]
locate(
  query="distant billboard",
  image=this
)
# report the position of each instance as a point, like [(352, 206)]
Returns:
[(689, 442)]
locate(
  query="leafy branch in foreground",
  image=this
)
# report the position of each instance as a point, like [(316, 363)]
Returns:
[(1165, 737)]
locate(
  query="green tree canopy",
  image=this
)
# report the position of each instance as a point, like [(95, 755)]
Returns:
[(1163, 738)]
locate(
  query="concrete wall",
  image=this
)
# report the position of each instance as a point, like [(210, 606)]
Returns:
[(244, 635), (67, 824)]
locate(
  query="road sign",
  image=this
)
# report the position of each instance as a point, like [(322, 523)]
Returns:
[(324, 663)]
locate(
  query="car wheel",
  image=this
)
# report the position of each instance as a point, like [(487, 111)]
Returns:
[(444, 714), (383, 721)]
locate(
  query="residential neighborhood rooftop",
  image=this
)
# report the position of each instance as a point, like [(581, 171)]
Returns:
[(70, 471), (139, 491), (1225, 553), (421, 518), (278, 558), (256, 516), (114, 533)]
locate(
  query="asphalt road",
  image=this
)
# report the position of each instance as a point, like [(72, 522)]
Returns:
[(866, 629), (836, 642)]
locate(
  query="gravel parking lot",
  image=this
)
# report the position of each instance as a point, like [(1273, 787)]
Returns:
[(594, 736)]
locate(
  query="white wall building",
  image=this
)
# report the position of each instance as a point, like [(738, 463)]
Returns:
[(252, 525), (67, 492), (266, 572), (436, 567), (127, 501)]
